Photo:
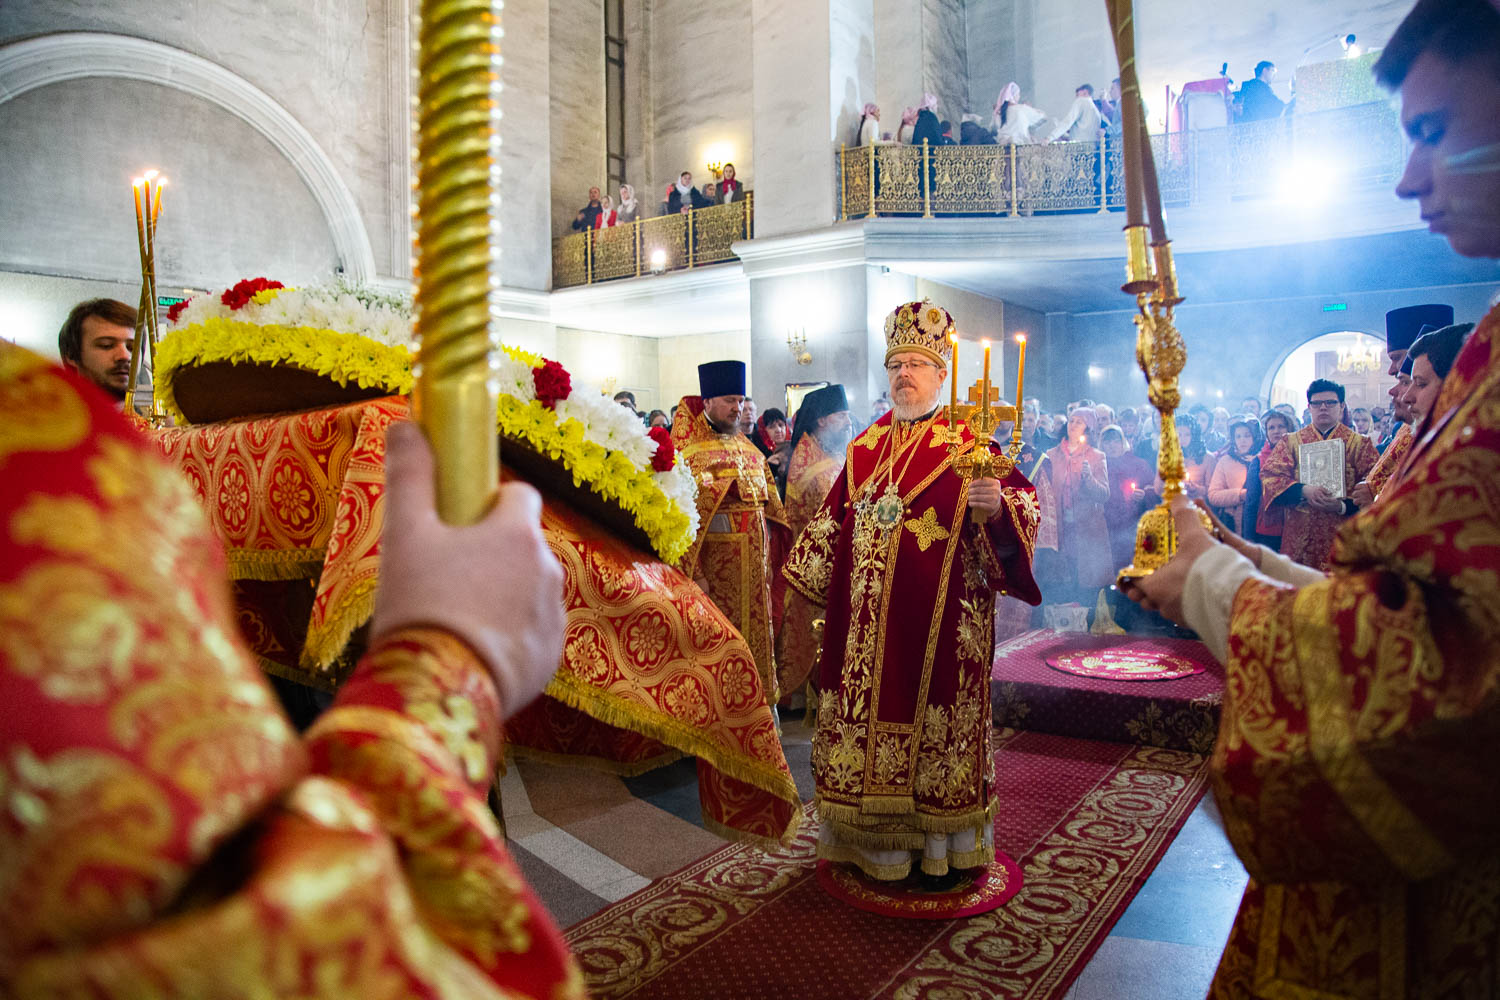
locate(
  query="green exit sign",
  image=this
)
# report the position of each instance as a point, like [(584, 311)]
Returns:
[(169, 300), (1336, 307)]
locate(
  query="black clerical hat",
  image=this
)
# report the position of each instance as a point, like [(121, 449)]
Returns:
[(721, 378), (1403, 326), (821, 402)]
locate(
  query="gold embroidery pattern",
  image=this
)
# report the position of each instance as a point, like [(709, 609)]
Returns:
[(927, 529), (809, 568)]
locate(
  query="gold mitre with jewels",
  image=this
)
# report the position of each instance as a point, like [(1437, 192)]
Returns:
[(921, 327)]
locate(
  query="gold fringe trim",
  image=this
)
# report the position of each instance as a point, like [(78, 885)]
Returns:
[(275, 564), (619, 768), (321, 648), (885, 840), (612, 710), (745, 836), (839, 854), (896, 807)]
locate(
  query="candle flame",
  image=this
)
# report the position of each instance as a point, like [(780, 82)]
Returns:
[(161, 182), (137, 182), (151, 175), (985, 341), (1020, 338)]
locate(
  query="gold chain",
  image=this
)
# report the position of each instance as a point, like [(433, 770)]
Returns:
[(909, 447)]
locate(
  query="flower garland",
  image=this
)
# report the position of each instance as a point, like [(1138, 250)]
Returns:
[(349, 336)]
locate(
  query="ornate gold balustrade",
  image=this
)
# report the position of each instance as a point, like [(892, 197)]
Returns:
[(696, 238), (1350, 147)]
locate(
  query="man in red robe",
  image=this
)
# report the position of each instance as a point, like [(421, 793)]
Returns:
[(1354, 761), (742, 532), (1314, 512), (1402, 327), (165, 833), (819, 442), (907, 557)]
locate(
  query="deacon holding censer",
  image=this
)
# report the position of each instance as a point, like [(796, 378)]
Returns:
[(926, 524)]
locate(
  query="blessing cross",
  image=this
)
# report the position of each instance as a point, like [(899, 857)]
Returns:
[(977, 389)]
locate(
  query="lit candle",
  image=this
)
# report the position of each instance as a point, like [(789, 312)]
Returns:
[(984, 379), (953, 384), (1020, 382)]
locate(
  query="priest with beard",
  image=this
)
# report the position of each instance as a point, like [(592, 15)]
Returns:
[(907, 557), (819, 439), (742, 530)]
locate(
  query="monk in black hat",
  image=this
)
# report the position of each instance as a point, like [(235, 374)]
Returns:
[(742, 531)]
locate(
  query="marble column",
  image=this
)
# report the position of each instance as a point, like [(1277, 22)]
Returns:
[(525, 140), (898, 63), (797, 45)]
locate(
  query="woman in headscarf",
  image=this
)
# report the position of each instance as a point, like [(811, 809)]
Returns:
[(607, 216), (1228, 488), (927, 127), (1014, 120), (908, 122), (869, 126), (1194, 457), (1269, 520), (629, 209), (730, 187), (1072, 484)]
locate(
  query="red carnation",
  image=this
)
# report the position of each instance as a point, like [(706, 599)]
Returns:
[(236, 297), (666, 452), (552, 383), (175, 310)]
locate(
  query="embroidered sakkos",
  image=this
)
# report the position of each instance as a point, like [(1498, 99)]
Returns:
[(742, 529), (903, 746), (163, 830), (1352, 767)]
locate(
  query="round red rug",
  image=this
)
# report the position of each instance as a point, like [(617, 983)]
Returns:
[(986, 891), (1125, 665)]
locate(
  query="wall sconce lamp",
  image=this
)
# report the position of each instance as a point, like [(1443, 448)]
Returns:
[(796, 342), (658, 260), (716, 167)]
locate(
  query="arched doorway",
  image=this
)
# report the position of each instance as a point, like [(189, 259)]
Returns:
[(1354, 359)]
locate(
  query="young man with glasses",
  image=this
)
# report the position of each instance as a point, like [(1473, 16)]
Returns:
[(1314, 512)]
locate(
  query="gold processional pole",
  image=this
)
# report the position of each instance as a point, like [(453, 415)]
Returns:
[(457, 250), (147, 190), (1151, 277)]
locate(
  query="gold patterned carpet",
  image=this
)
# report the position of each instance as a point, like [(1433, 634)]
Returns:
[(1087, 820)]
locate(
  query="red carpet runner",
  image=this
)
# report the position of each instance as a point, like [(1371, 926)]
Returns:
[(1088, 821)]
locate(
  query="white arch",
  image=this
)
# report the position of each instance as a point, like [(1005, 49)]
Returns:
[(37, 62)]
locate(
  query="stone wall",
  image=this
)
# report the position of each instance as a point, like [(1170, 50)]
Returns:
[(576, 88)]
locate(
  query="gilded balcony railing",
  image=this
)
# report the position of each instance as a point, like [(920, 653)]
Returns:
[(1351, 147), (696, 238)]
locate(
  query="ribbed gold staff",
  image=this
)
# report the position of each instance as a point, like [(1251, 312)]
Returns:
[(457, 249), (1151, 277)]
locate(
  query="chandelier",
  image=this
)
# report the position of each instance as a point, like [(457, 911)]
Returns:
[(1359, 360)]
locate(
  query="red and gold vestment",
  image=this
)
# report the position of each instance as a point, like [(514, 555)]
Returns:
[(809, 477), (1353, 763), (1307, 535), (903, 746), (1390, 460), (742, 529), (163, 831)]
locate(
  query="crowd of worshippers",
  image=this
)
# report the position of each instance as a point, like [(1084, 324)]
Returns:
[(1012, 121), (603, 211), (1099, 463)]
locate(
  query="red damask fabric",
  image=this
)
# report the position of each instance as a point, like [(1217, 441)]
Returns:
[(1353, 763), (299, 501), (164, 831)]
